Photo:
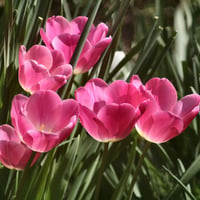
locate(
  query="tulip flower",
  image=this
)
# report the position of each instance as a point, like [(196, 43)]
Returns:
[(41, 68), (13, 153), (164, 117), (108, 112), (43, 120), (64, 35)]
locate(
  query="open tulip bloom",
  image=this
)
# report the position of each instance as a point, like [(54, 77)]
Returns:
[(64, 35), (43, 120), (164, 117), (108, 112), (13, 153), (41, 68)]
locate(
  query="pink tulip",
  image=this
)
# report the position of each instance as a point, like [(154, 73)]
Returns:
[(108, 112), (164, 117), (64, 35), (40, 68), (43, 120), (13, 153)]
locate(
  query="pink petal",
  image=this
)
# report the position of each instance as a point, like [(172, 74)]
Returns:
[(92, 124), (41, 109), (97, 33), (45, 39), (22, 53), (13, 154), (30, 73), (7, 133), (135, 80), (121, 92), (159, 127), (118, 119), (41, 55), (78, 24), (56, 26), (51, 83), (18, 104), (40, 141), (163, 91), (89, 59), (65, 70), (58, 58), (67, 113), (67, 44), (94, 91), (187, 108)]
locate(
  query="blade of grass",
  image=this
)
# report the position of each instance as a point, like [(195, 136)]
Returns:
[(149, 44), (119, 190), (128, 56), (79, 47), (180, 183), (188, 175)]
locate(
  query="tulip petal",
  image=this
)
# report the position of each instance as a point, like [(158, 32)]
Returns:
[(51, 83), (13, 154), (31, 73), (67, 44), (135, 80), (118, 119), (40, 141), (164, 92), (58, 58), (56, 25), (67, 111), (45, 102), (159, 127), (78, 24), (22, 53), (121, 92), (187, 108), (18, 103), (89, 58), (92, 124), (94, 91), (41, 55), (98, 33)]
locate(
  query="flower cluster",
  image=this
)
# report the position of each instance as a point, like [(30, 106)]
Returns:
[(108, 112)]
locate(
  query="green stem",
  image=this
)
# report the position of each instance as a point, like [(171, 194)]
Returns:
[(137, 170), (24, 176), (101, 171), (67, 88)]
